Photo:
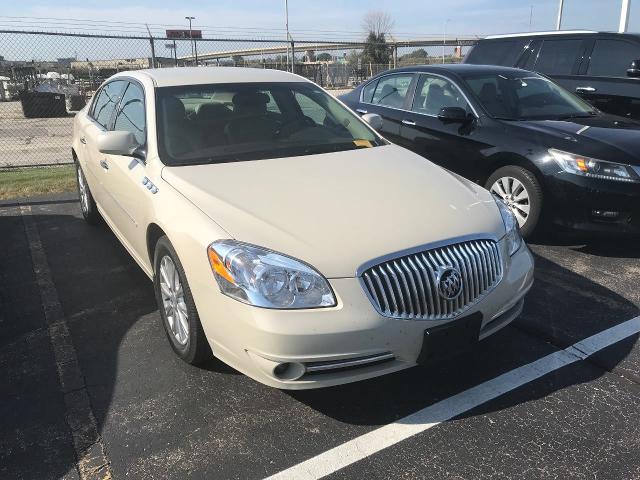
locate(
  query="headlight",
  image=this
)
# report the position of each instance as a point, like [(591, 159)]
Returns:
[(264, 278), (512, 237), (590, 167)]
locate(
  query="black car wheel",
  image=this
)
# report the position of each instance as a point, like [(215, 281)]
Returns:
[(87, 203), (177, 308), (521, 191)]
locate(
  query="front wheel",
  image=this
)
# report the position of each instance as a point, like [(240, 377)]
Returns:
[(177, 308), (521, 191), (87, 202)]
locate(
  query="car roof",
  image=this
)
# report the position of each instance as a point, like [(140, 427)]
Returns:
[(175, 76), (457, 68), (560, 33)]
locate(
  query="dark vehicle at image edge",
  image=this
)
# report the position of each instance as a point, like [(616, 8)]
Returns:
[(553, 158), (601, 67)]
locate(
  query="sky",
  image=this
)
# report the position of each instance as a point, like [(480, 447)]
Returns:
[(335, 19)]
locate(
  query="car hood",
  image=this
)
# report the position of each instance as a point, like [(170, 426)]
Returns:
[(606, 137), (337, 211)]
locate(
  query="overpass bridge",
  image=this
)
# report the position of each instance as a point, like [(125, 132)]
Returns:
[(272, 47)]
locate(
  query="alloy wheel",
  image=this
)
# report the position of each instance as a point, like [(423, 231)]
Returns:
[(173, 300), (514, 194)]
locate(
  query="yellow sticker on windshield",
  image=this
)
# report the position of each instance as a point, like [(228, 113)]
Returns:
[(362, 143)]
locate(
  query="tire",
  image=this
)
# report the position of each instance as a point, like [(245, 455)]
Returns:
[(521, 191), (177, 308), (87, 202)]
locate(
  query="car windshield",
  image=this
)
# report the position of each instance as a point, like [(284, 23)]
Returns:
[(529, 97), (238, 122)]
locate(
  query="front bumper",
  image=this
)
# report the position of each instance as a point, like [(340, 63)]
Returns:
[(352, 335), (593, 205)]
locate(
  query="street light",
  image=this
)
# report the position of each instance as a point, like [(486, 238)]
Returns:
[(191, 38)]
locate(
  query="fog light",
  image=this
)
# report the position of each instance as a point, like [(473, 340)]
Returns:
[(605, 213), (288, 371)]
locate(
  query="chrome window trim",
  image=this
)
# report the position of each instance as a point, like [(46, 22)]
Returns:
[(455, 84)]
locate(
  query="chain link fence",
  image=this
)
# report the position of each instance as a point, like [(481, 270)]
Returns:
[(46, 77)]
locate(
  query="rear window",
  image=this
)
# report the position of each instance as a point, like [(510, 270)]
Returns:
[(612, 58), (557, 57), (495, 52)]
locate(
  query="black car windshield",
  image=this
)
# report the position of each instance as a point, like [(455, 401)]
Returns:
[(525, 97), (237, 122)]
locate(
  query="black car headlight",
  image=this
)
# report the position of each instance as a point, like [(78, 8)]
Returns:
[(591, 167)]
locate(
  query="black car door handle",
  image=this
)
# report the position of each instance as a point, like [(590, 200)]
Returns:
[(411, 123), (585, 89), (104, 164), (83, 140)]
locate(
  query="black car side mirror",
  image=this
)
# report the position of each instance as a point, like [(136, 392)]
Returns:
[(634, 69), (452, 115)]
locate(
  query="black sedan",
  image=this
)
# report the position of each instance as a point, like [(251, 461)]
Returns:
[(551, 156)]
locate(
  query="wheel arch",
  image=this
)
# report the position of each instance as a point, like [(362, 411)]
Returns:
[(154, 233), (505, 159)]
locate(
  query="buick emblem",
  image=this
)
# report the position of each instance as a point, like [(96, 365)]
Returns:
[(449, 283)]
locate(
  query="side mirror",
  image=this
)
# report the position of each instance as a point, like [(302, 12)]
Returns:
[(373, 119), (452, 115), (117, 143), (634, 69)]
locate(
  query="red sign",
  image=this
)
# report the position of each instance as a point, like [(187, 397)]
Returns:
[(184, 33)]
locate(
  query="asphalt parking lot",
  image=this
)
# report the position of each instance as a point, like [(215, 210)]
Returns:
[(86, 369)]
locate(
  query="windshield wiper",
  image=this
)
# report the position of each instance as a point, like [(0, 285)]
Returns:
[(589, 114)]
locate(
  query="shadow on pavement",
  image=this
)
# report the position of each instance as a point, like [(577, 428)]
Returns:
[(130, 370)]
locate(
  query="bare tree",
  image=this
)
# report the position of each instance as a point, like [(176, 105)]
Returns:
[(377, 22)]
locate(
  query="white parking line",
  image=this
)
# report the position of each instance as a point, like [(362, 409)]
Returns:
[(383, 437)]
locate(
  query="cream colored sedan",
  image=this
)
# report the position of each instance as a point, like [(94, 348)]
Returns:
[(284, 235)]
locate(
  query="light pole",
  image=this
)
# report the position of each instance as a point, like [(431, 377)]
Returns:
[(191, 36), (444, 37), (559, 20), (624, 16), (286, 25)]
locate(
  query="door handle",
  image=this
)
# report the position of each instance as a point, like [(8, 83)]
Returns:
[(585, 89), (361, 111), (104, 164), (411, 123), (83, 140)]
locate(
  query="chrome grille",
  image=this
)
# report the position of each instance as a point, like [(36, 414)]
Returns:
[(407, 286)]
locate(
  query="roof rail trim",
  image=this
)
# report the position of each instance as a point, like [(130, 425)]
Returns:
[(531, 34)]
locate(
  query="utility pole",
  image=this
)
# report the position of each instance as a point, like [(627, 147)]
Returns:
[(153, 47), (444, 37), (624, 16), (286, 25), (191, 37), (531, 18), (559, 20)]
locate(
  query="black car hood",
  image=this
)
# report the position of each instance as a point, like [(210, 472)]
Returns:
[(606, 137)]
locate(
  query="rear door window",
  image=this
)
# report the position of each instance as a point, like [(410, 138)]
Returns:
[(558, 57), (106, 102), (495, 52), (612, 58), (392, 90), (434, 93), (367, 91)]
